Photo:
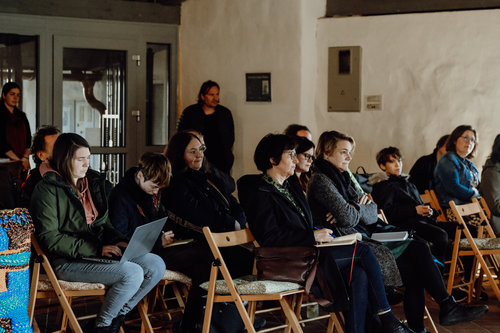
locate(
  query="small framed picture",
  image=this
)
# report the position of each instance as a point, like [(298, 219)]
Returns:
[(258, 87)]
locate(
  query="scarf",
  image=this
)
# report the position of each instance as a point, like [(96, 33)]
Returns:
[(341, 180)]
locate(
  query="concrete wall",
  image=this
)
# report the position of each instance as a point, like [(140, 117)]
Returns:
[(435, 71)]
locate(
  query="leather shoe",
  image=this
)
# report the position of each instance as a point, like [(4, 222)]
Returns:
[(454, 313), (397, 328)]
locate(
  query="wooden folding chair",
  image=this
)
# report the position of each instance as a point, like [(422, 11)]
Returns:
[(429, 197), (486, 244), (64, 291), (286, 297)]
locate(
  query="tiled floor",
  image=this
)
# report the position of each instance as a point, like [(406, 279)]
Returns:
[(46, 316)]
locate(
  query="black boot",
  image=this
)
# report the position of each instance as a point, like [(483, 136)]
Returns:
[(451, 313), (102, 329), (391, 324), (117, 323)]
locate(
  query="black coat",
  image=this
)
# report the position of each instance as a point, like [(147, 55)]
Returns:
[(422, 172), (192, 198), (274, 221), (398, 197)]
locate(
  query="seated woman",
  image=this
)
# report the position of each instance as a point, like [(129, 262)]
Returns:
[(70, 211), (200, 196), (305, 156), (456, 177), (136, 200), (490, 186), (332, 190), (278, 215), (402, 204)]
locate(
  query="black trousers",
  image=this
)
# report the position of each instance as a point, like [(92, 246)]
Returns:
[(419, 274)]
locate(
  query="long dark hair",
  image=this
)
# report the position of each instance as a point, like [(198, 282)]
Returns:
[(457, 132), (63, 153), (495, 151), (176, 148)]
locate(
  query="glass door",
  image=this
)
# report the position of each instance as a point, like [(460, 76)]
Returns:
[(95, 95)]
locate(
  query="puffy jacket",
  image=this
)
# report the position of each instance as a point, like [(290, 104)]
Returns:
[(454, 176), (60, 223)]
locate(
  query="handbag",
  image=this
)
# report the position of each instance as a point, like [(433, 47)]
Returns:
[(290, 264), (362, 178)]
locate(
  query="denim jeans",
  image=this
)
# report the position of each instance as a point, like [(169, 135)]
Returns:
[(128, 282), (366, 286)]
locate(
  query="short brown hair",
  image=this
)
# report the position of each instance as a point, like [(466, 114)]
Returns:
[(328, 141), (457, 132), (385, 155), (156, 168)]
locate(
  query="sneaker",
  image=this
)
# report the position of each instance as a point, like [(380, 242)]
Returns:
[(453, 313)]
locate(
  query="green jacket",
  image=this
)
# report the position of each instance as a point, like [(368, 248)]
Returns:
[(60, 222)]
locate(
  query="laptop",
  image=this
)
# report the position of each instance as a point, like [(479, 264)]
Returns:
[(142, 242)]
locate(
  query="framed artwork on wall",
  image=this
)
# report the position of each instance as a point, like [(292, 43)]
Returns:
[(258, 87)]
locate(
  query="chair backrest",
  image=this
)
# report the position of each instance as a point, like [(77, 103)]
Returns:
[(381, 215), (434, 203), (469, 209), (485, 207)]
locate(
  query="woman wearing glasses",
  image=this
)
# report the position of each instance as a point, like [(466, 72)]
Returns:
[(305, 157), (455, 176), (200, 195)]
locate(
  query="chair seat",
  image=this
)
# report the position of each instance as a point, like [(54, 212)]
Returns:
[(482, 244), (249, 285), (176, 276), (45, 285)]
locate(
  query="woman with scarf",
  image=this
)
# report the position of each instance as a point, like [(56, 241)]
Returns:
[(279, 216), (332, 190)]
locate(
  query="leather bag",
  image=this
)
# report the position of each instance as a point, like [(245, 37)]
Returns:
[(290, 264)]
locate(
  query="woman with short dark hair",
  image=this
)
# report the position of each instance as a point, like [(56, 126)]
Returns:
[(278, 215)]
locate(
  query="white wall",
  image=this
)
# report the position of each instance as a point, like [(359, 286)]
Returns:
[(222, 40), (435, 71)]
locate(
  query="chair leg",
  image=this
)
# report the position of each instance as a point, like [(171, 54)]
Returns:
[(431, 321), (143, 311), (290, 316), (210, 301)]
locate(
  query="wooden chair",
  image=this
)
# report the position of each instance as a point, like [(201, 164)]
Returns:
[(287, 297), (64, 291), (429, 197), (486, 244)]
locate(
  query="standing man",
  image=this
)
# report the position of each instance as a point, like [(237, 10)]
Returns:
[(216, 124)]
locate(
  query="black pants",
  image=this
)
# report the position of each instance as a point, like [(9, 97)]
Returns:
[(419, 274), (432, 233)]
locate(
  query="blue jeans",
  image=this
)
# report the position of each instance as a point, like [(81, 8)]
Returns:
[(366, 286), (128, 282)]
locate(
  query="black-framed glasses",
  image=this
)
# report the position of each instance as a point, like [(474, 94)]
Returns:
[(194, 151), (308, 157)]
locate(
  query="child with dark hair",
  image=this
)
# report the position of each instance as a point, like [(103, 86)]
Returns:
[(401, 202)]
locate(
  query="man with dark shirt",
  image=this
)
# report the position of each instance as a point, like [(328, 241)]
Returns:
[(215, 122), (41, 150)]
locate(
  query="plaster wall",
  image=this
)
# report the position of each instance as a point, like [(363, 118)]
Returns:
[(222, 40), (435, 71)]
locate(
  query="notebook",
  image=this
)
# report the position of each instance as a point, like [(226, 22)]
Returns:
[(390, 236), (342, 240), (142, 242)]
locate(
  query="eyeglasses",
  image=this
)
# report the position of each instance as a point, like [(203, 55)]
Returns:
[(194, 151), (308, 157), (467, 139)]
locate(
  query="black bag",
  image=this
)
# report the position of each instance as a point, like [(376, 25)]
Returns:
[(291, 264), (362, 177)]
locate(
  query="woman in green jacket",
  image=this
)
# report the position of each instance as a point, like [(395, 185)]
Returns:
[(70, 211)]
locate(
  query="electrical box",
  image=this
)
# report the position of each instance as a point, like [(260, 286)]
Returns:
[(344, 79)]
